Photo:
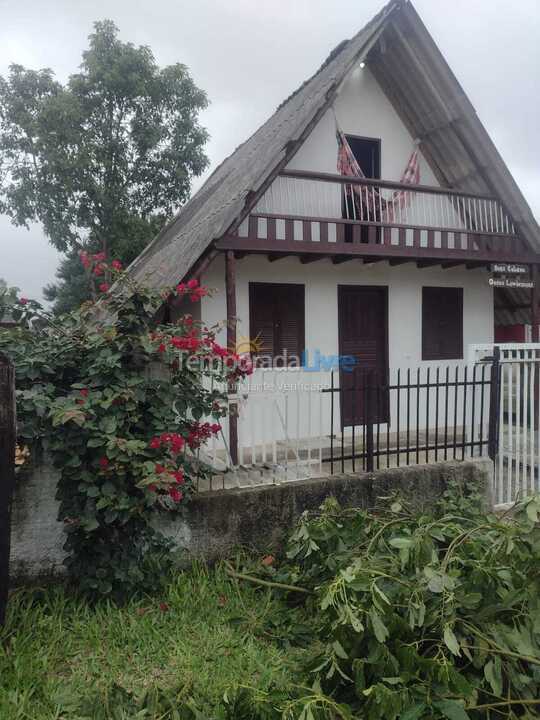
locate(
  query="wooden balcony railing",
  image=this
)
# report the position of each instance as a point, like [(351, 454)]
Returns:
[(325, 213)]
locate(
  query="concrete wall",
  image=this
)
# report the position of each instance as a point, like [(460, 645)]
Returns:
[(213, 524)]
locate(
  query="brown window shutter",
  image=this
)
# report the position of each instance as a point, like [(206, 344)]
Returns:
[(277, 320), (442, 323)]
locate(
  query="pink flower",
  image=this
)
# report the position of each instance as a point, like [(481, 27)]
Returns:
[(84, 392), (181, 288), (104, 462), (104, 287), (161, 348), (116, 265), (152, 487), (23, 301), (99, 257), (192, 284), (155, 443)]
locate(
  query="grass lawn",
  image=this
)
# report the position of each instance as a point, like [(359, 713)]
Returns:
[(62, 659)]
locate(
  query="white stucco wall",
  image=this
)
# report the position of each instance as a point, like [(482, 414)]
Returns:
[(362, 109), (321, 280)]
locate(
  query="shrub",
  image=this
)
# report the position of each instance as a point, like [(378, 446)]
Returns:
[(122, 408)]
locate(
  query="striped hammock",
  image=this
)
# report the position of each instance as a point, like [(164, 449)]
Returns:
[(370, 197)]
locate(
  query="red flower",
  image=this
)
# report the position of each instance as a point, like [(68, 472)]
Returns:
[(23, 301), (215, 428), (98, 270), (104, 287), (159, 469), (181, 288), (164, 607), (116, 265), (179, 476), (192, 284), (177, 443), (104, 462), (155, 443), (175, 494), (185, 343), (84, 392), (161, 348), (99, 257), (152, 488)]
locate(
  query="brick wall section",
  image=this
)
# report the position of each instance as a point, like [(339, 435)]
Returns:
[(214, 524)]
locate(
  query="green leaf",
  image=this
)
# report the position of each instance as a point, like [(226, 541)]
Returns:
[(337, 647), (451, 709), (401, 542), (379, 628), (493, 674), (451, 641), (414, 713)]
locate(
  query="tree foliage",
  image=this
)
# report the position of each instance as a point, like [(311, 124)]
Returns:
[(104, 159), (417, 615)]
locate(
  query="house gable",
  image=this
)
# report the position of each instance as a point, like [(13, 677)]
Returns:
[(422, 90)]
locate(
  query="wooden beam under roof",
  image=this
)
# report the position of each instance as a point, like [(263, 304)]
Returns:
[(371, 250)]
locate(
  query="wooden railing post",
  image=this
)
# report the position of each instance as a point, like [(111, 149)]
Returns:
[(7, 472), (230, 291)]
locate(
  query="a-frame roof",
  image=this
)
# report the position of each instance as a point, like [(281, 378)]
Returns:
[(412, 72)]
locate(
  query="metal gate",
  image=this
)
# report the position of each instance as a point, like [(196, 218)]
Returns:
[(518, 456)]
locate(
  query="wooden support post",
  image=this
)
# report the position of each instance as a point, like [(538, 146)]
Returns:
[(7, 472), (230, 289), (535, 304)]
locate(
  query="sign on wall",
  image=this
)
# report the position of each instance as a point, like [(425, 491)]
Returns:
[(509, 268), (519, 271)]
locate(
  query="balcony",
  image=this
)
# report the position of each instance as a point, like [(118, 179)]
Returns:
[(317, 215)]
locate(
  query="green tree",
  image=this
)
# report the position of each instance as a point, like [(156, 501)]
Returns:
[(102, 161)]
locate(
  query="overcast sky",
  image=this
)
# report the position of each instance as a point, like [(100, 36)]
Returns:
[(248, 55)]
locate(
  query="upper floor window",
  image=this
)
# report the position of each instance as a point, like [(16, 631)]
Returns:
[(367, 152), (442, 323), (277, 323)]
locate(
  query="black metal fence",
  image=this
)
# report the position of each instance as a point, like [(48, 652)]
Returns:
[(412, 416)]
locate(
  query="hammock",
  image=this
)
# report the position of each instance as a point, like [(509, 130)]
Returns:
[(368, 196)]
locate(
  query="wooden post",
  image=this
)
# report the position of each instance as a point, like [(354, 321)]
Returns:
[(7, 472), (535, 303), (230, 289)]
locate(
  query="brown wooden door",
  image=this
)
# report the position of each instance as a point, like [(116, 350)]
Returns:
[(363, 334)]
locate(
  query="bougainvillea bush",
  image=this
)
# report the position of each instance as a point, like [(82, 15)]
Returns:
[(122, 405)]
